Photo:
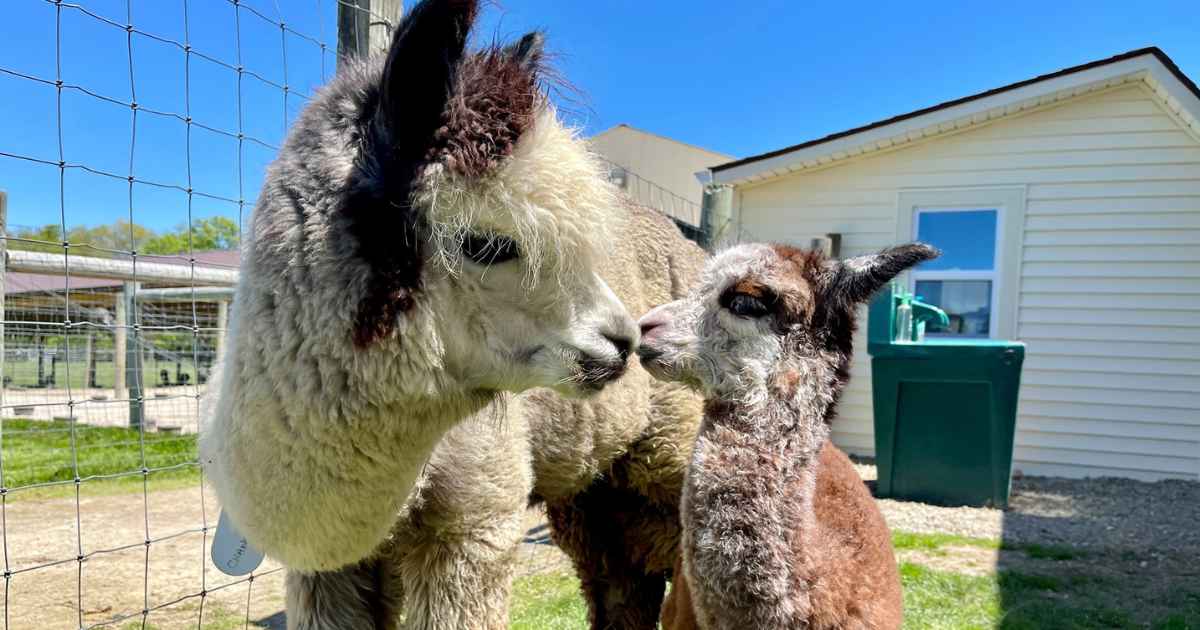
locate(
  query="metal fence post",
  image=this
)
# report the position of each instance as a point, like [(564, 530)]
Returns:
[(120, 342), (222, 324), (133, 355), (3, 285)]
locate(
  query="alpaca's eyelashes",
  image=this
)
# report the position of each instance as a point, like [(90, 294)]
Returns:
[(489, 249), (746, 305)]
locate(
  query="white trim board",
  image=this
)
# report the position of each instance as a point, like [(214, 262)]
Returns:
[(1010, 202), (1145, 68)]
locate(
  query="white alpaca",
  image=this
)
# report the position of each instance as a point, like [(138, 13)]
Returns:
[(426, 239)]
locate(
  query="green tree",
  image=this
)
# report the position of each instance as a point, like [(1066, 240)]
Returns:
[(122, 236), (47, 238), (207, 234)]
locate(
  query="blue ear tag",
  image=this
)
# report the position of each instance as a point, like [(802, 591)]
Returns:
[(231, 552)]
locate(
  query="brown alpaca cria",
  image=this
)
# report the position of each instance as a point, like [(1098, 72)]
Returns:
[(778, 530)]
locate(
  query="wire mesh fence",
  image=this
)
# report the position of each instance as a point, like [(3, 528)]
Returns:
[(134, 114), (156, 121)]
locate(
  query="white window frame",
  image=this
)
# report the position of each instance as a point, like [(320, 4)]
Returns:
[(952, 275), (1009, 204)]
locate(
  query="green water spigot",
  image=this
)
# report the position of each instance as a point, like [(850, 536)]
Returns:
[(922, 313)]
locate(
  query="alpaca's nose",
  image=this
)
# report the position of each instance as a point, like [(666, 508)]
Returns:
[(623, 345), (652, 322), (646, 325)]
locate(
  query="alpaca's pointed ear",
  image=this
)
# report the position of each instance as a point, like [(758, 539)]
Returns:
[(419, 73), (528, 50), (854, 281)]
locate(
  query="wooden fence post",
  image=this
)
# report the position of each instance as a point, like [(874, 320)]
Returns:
[(365, 26)]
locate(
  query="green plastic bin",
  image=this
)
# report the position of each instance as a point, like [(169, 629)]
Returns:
[(945, 413)]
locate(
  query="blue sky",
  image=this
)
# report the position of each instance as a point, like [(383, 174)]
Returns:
[(741, 78)]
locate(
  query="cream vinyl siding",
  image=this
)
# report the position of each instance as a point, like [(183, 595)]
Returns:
[(1108, 298)]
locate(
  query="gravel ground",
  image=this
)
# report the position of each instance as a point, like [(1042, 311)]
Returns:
[(1101, 513)]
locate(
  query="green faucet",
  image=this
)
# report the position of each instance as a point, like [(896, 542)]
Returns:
[(922, 313), (882, 324)]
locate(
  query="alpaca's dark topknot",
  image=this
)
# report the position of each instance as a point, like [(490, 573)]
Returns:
[(487, 100)]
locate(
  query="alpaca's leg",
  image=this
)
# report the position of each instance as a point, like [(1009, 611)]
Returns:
[(603, 531), (333, 600), (677, 611), (458, 580), (456, 552)]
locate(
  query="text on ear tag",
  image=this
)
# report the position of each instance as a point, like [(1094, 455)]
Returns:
[(231, 552)]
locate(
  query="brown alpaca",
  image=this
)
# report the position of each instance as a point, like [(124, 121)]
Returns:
[(778, 530)]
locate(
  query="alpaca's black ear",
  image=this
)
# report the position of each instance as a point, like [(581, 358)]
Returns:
[(854, 281), (528, 50), (419, 74)]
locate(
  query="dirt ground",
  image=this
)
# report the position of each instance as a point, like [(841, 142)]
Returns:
[(121, 575), (1126, 532)]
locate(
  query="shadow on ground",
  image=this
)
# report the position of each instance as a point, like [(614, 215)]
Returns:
[(1101, 553), (278, 621)]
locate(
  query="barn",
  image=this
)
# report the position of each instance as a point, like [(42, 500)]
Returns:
[(1069, 208)]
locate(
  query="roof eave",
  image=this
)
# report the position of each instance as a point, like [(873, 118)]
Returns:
[(1176, 92)]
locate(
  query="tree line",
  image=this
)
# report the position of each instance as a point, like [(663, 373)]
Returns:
[(122, 236)]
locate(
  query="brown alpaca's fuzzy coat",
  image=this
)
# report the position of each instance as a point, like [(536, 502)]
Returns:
[(778, 530), (857, 569)]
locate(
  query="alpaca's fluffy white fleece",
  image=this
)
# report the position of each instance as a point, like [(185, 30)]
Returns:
[(314, 445), (551, 197)]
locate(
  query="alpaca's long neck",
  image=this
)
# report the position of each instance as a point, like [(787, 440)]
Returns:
[(748, 509), (313, 466)]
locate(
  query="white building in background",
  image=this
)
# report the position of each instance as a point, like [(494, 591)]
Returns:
[(657, 171), (1068, 206)]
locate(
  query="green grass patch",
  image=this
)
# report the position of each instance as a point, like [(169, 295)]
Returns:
[(941, 599), (1013, 581), (547, 601), (1009, 600), (40, 451), (1186, 615), (933, 542), (1050, 552)]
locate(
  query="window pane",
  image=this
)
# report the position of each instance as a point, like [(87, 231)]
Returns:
[(967, 239), (967, 302)]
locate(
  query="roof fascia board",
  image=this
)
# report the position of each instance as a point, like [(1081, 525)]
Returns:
[(1180, 100), (977, 111)]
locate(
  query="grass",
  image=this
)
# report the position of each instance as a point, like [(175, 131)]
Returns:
[(39, 452), (1037, 596), (933, 542), (940, 599), (547, 601), (1051, 552), (912, 541), (933, 600)]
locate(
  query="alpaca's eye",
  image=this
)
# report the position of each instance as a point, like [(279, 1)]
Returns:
[(489, 249), (744, 305)]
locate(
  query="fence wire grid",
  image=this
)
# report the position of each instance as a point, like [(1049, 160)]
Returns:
[(107, 342), (102, 377)]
